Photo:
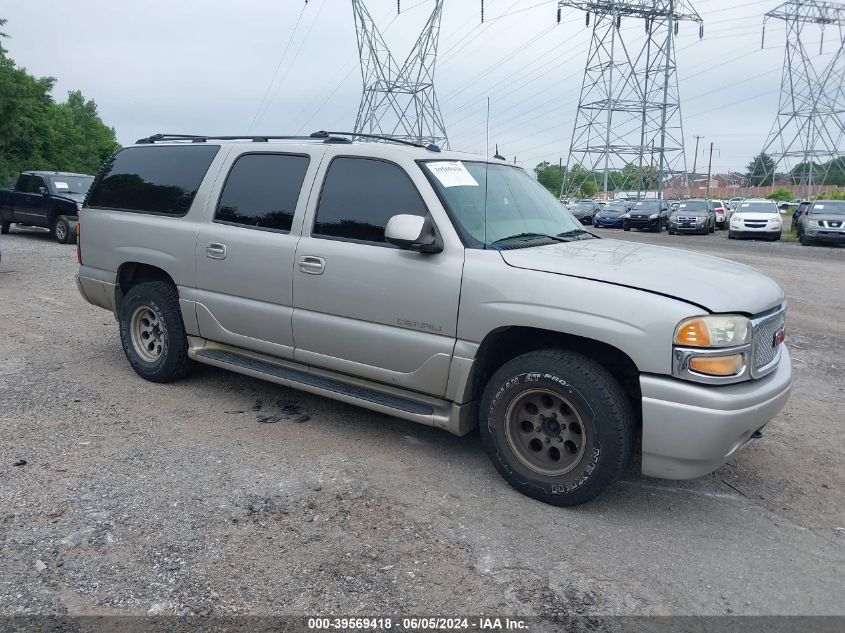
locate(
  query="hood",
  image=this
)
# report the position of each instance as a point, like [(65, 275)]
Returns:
[(828, 217), (610, 213), (760, 217), (713, 283), (73, 197)]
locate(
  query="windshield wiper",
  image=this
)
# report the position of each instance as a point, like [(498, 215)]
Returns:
[(556, 238), (577, 233)]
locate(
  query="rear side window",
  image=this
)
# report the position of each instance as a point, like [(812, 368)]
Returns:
[(262, 191), (24, 184), (360, 195), (162, 180)]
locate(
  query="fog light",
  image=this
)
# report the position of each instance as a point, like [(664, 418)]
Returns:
[(717, 365)]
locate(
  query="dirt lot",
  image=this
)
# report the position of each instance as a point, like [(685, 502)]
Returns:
[(227, 495)]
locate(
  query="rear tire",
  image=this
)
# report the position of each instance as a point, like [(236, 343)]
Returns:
[(152, 332), (557, 426)]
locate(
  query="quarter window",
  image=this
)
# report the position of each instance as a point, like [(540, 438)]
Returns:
[(262, 191), (360, 195), (151, 179)]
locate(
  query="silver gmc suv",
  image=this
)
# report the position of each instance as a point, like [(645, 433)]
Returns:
[(436, 287)]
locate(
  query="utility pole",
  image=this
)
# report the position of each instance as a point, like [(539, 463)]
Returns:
[(629, 98), (709, 169), (695, 156), (399, 101), (809, 131)]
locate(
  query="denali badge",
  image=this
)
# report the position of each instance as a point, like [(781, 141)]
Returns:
[(779, 337)]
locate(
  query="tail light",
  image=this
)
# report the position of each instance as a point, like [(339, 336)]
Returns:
[(78, 245)]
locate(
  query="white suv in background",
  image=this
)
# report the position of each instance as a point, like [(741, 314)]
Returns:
[(755, 218)]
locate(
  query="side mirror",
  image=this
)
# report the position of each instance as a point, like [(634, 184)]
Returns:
[(42, 191), (412, 233)]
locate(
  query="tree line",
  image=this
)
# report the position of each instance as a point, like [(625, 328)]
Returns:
[(36, 132)]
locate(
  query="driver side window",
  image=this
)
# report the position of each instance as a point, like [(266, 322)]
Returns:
[(360, 195)]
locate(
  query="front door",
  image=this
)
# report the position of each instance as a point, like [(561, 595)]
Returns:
[(245, 254), (362, 306)]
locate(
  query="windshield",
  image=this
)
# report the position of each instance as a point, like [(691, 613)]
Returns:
[(615, 208), (693, 205), (758, 207), (647, 205), (517, 206), (63, 185), (829, 207)]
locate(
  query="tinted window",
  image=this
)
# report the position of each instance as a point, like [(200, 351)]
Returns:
[(24, 183), (694, 205), (262, 191), (360, 195), (153, 179), (36, 183), (71, 184)]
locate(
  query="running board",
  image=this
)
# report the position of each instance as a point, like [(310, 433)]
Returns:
[(413, 407)]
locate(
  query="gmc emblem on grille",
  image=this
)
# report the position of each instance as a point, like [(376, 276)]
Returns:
[(779, 337)]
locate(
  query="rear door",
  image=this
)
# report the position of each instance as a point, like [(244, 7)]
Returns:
[(245, 253), (363, 306), (21, 199)]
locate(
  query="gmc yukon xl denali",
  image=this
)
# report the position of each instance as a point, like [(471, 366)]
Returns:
[(437, 287)]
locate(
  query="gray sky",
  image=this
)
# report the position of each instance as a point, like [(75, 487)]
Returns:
[(191, 66)]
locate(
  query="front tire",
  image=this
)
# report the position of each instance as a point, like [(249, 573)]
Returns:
[(557, 426), (152, 332), (61, 230), (805, 241)]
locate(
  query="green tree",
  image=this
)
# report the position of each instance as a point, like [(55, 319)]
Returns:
[(588, 188), (38, 133), (761, 171), (780, 195), (550, 176)]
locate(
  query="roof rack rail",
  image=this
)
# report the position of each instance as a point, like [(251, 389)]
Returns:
[(202, 138), (326, 137), (432, 147)]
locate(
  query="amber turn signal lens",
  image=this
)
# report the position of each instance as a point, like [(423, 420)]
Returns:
[(694, 333), (717, 365)]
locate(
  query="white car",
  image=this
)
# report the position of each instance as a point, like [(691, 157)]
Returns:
[(755, 218)]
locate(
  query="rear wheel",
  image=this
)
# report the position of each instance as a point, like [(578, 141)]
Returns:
[(152, 332), (557, 426)]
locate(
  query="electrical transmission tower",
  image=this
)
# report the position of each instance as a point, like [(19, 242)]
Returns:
[(628, 133), (399, 101), (809, 132)]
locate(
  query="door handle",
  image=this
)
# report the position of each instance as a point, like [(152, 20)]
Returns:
[(215, 250), (311, 265)]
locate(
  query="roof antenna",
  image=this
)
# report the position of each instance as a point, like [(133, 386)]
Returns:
[(497, 155)]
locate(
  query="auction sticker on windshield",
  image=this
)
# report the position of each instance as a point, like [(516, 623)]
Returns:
[(452, 174), (60, 185)]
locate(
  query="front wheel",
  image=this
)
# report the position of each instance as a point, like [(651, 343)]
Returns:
[(152, 332), (557, 426), (61, 231), (805, 241)]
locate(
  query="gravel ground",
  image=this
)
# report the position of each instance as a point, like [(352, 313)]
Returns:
[(227, 495)]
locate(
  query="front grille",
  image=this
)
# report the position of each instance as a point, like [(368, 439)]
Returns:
[(831, 224), (755, 225), (765, 354)]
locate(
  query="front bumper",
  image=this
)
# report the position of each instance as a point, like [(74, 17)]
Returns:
[(607, 224), (642, 223), (834, 236), (690, 430), (698, 228)]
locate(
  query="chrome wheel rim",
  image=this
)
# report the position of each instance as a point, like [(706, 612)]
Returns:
[(146, 333), (545, 431), (60, 231)]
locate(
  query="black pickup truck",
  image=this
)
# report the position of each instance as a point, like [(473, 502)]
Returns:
[(49, 199)]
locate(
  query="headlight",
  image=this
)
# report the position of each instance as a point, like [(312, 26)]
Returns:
[(700, 220), (653, 216), (814, 222), (79, 206), (627, 216), (718, 330)]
